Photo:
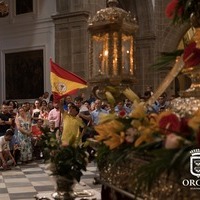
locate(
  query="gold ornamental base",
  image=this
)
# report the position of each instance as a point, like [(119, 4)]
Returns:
[(123, 177), (194, 74), (189, 100), (185, 106)]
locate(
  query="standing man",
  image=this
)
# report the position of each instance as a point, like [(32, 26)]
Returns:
[(84, 113), (55, 115), (71, 126), (5, 119), (95, 113), (45, 97), (67, 100)]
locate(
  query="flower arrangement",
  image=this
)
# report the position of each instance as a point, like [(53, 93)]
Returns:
[(181, 10), (163, 140), (66, 161), (140, 128)]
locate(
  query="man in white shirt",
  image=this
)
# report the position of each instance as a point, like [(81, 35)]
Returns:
[(45, 97), (95, 113), (5, 154), (55, 115)]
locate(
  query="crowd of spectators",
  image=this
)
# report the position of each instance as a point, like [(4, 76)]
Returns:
[(21, 124)]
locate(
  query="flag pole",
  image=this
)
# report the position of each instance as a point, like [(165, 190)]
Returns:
[(60, 117)]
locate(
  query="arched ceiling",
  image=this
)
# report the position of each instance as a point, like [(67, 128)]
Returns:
[(144, 12)]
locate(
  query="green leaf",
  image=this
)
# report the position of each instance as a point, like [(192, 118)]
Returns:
[(162, 161), (165, 59)]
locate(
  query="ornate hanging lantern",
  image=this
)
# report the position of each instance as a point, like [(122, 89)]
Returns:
[(4, 10), (112, 36)]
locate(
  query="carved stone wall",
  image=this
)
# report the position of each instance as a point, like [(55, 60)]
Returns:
[(145, 43), (71, 35)]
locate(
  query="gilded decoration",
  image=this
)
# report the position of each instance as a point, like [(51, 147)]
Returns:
[(152, 155), (111, 16), (4, 9), (112, 43)]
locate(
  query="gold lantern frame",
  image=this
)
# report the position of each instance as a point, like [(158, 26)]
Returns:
[(4, 9), (112, 47)]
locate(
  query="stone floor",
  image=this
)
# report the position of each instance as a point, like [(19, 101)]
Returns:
[(33, 180)]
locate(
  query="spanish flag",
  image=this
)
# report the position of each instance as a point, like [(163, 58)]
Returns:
[(64, 82)]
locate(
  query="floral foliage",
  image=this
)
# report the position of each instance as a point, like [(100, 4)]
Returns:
[(68, 161), (191, 55), (163, 139), (171, 8), (169, 123), (180, 10), (140, 128)]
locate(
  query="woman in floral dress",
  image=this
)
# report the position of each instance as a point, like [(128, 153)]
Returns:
[(23, 123)]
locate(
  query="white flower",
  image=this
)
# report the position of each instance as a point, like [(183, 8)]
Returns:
[(130, 135), (172, 141)]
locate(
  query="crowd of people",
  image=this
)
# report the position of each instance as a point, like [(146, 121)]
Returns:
[(69, 119)]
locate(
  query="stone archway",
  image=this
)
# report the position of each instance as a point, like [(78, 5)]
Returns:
[(172, 38), (168, 37), (170, 43)]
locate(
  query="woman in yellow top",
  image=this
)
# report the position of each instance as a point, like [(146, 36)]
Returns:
[(72, 123)]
